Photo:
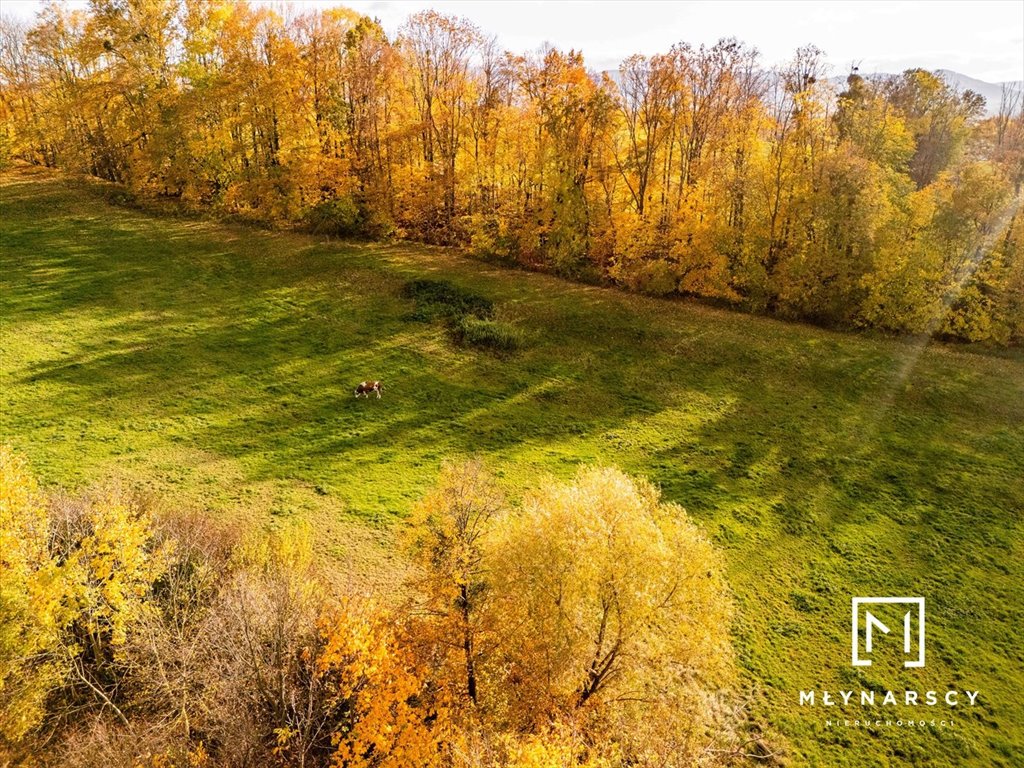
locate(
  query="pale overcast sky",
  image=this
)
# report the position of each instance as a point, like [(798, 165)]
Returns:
[(980, 38)]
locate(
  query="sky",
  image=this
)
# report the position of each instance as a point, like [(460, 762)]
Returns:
[(983, 39)]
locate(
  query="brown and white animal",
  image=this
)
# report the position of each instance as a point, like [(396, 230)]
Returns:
[(366, 387)]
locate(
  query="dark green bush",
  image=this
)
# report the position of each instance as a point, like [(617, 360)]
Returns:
[(439, 299), (468, 316)]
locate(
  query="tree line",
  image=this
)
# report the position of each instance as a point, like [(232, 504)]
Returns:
[(890, 202), (586, 625)]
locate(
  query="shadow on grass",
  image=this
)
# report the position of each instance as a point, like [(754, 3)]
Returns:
[(820, 462)]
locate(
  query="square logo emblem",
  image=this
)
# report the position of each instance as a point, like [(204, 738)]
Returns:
[(868, 629)]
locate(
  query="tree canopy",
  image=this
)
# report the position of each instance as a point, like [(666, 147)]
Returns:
[(889, 203)]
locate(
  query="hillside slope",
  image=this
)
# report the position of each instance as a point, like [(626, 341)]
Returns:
[(215, 364)]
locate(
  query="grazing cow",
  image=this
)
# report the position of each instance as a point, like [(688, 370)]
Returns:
[(366, 387)]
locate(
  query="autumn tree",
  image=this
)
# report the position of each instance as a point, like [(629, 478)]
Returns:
[(622, 614), (106, 541), (648, 89), (18, 92), (694, 171), (33, 602), (453, 529), (77, 575), (937, 116), (395, 716), (370, 89), (440, 49), (571, 112), (1009, 134)]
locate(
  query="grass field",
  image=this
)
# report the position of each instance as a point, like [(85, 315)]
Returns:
[(215, 364)]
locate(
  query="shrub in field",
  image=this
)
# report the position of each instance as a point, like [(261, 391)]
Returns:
[(487, 334), (340, 217), (469, 316), (440, 299)]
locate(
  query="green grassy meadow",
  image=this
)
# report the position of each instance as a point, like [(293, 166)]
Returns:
[(215, 364)]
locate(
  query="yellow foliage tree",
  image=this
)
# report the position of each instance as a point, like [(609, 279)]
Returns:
[(693, 171), (396, 717), (452, 533), (33, 610), (622, 615)]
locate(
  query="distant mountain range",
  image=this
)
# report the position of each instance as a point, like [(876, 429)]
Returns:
[(991, 91)]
